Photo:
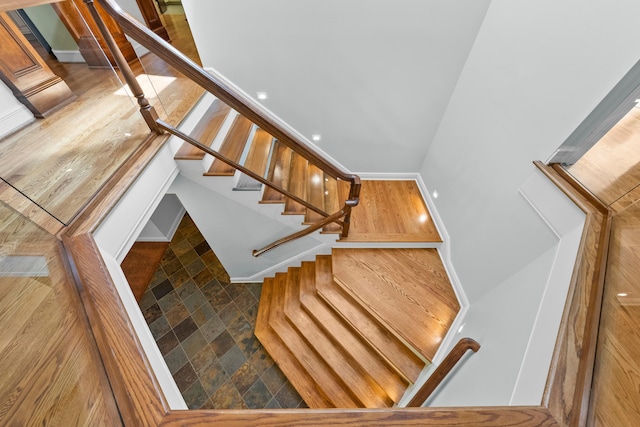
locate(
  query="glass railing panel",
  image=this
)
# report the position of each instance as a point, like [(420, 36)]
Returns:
[(60, 160)]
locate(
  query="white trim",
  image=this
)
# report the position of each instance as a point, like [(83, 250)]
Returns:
[(16, 119), (388, 176), (154, 356), (144, 216), (308, 255), (68, 56)]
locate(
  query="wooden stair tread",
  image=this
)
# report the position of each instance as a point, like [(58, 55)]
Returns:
[(407, 364), (333, 326), (289, 365), (313, 365), (258, 155), (297, 186), (232, 147), (355, 381), (278, 173), (315, 192), (205, 131), (405, 289), (331, 203)]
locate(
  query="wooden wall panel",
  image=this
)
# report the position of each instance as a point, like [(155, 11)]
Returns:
[(26, 74)]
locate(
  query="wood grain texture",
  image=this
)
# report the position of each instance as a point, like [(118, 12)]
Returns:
[(513, 416), (611, 168), (312, 364), (407, 290), (616, 382), (138, 266), (205, 131), (360, 353), (390, 211), (360, 385), (302, 382), (315, 192), (278, 173), (570, 375), (232, 147), (382, 340), (52, 372), (258, 155), (61, 165), (298, 177)]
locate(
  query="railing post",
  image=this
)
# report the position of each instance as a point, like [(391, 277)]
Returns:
[(149, 113)]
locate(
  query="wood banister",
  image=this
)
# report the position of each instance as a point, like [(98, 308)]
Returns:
[(222, 88), (440, 373)]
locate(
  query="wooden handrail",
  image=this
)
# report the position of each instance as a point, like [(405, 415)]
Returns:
[(313, 227), (172, 130), (224, 90), (443, 370)]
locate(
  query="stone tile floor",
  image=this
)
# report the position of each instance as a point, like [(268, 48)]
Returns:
[(204, 328)]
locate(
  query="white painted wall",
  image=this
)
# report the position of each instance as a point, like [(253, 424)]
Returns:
[(233, 231), (164, 221), (536, 70), (13, 114), (372, 76), (516, 323)]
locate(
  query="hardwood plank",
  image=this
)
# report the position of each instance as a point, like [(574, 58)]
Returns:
[(298, 177), (405, 289), (391, 211), (232, 147), (278, 173), (616, 383), (357, 382), (313, 365), (205, 131), (333, 326), (259, 150), (52, 373), (332, 202), (315, 192), (406, 363), (611, 168), (301, 381)]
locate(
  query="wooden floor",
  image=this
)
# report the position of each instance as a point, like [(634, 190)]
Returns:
[(52, 373), (391, 211), (611, 170), (60, 162)]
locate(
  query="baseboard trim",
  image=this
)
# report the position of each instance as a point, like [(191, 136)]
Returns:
[(71, 56), (15, 120), (308, 255)]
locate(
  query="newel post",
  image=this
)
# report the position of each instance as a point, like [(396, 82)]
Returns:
[(148, 112)]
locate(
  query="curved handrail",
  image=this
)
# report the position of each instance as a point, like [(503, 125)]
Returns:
[(443, 370)]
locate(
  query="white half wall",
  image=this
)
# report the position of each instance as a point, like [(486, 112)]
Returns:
[(536, 70), (233, 231), (517, 322), (164, 221), (13, 114)]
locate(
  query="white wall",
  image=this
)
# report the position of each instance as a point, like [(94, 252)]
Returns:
[(13, 114), (536, 70), (372, 76), (164, 221), (516, 323), (233, 231)]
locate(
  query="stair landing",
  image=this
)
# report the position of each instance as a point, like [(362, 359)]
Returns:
[(390, 211)]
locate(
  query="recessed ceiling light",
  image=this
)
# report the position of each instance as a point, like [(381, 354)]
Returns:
[(435, 194), (262, 95), (317, 137)]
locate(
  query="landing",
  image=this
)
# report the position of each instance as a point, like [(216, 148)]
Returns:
[(391, 211)]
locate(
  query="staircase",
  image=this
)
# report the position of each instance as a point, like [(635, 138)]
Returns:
[(353, 329)]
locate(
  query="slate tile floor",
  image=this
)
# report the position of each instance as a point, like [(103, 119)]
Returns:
[(204, 328)]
